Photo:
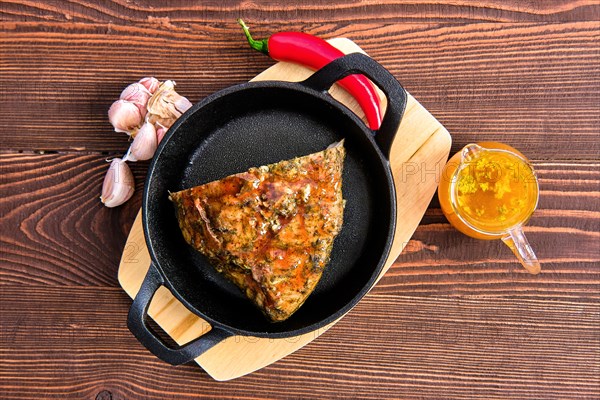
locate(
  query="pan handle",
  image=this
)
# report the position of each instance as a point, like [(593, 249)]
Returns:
[(137, 324), (357, 63)]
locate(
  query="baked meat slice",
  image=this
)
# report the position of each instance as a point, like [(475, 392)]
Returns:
[(270, 230)]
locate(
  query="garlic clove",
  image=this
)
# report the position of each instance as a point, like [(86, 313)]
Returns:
[(137, 94), (124, 116), (118, 186), (144, 145), (150, 83), (128, 156), (182, 104), (134, 92)]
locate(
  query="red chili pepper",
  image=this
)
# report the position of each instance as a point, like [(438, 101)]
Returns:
[(315, 53)]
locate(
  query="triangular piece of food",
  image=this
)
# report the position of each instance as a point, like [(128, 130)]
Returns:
[(269, 230)]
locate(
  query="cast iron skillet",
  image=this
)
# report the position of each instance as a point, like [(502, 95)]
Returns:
[(253, 124)]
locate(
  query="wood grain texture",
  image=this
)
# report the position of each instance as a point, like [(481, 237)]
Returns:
[(534, 85), (182, 13), (389, 346), (56, 232), (453, 318)]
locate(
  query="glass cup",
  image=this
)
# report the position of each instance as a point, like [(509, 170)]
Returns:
[(489, 191)]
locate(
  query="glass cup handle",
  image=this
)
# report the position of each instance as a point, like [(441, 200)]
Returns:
[(519, 245)]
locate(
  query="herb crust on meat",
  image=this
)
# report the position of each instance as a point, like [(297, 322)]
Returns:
[(269, 230)]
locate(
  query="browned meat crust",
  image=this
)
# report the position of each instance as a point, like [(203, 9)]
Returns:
[(270, 230)]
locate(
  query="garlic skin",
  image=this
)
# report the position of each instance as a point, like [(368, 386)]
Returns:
[(118, 186), (160, 132), (137, 94), (144, 145), (166, 105), (125, 116), (150, 83)]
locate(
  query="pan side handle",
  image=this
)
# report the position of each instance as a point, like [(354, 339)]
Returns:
[(137, 324), (357, 63)]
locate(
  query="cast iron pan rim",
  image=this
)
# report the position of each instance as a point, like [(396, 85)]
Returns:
[(298, 87)]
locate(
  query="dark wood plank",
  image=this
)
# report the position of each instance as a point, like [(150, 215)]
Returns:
[(54, 228), (184, 13), (453, 318), (534, 85), (56, 232), (72, 343)]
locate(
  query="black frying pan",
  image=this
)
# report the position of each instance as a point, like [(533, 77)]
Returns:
[(253, 124)]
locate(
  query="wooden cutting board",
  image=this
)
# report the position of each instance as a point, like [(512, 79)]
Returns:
[(418, 154)]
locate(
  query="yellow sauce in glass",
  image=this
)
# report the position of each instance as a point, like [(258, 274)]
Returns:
[(490, 192)]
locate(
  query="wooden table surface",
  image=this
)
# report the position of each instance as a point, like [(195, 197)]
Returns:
[(453, 318)]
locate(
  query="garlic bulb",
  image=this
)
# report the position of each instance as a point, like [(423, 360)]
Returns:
[(137, 94), (145, 111), (125, 116), (144, 145), (150, 83), (118, 184)]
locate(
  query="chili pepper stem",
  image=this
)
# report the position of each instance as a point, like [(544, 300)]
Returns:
[(260, 45)]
